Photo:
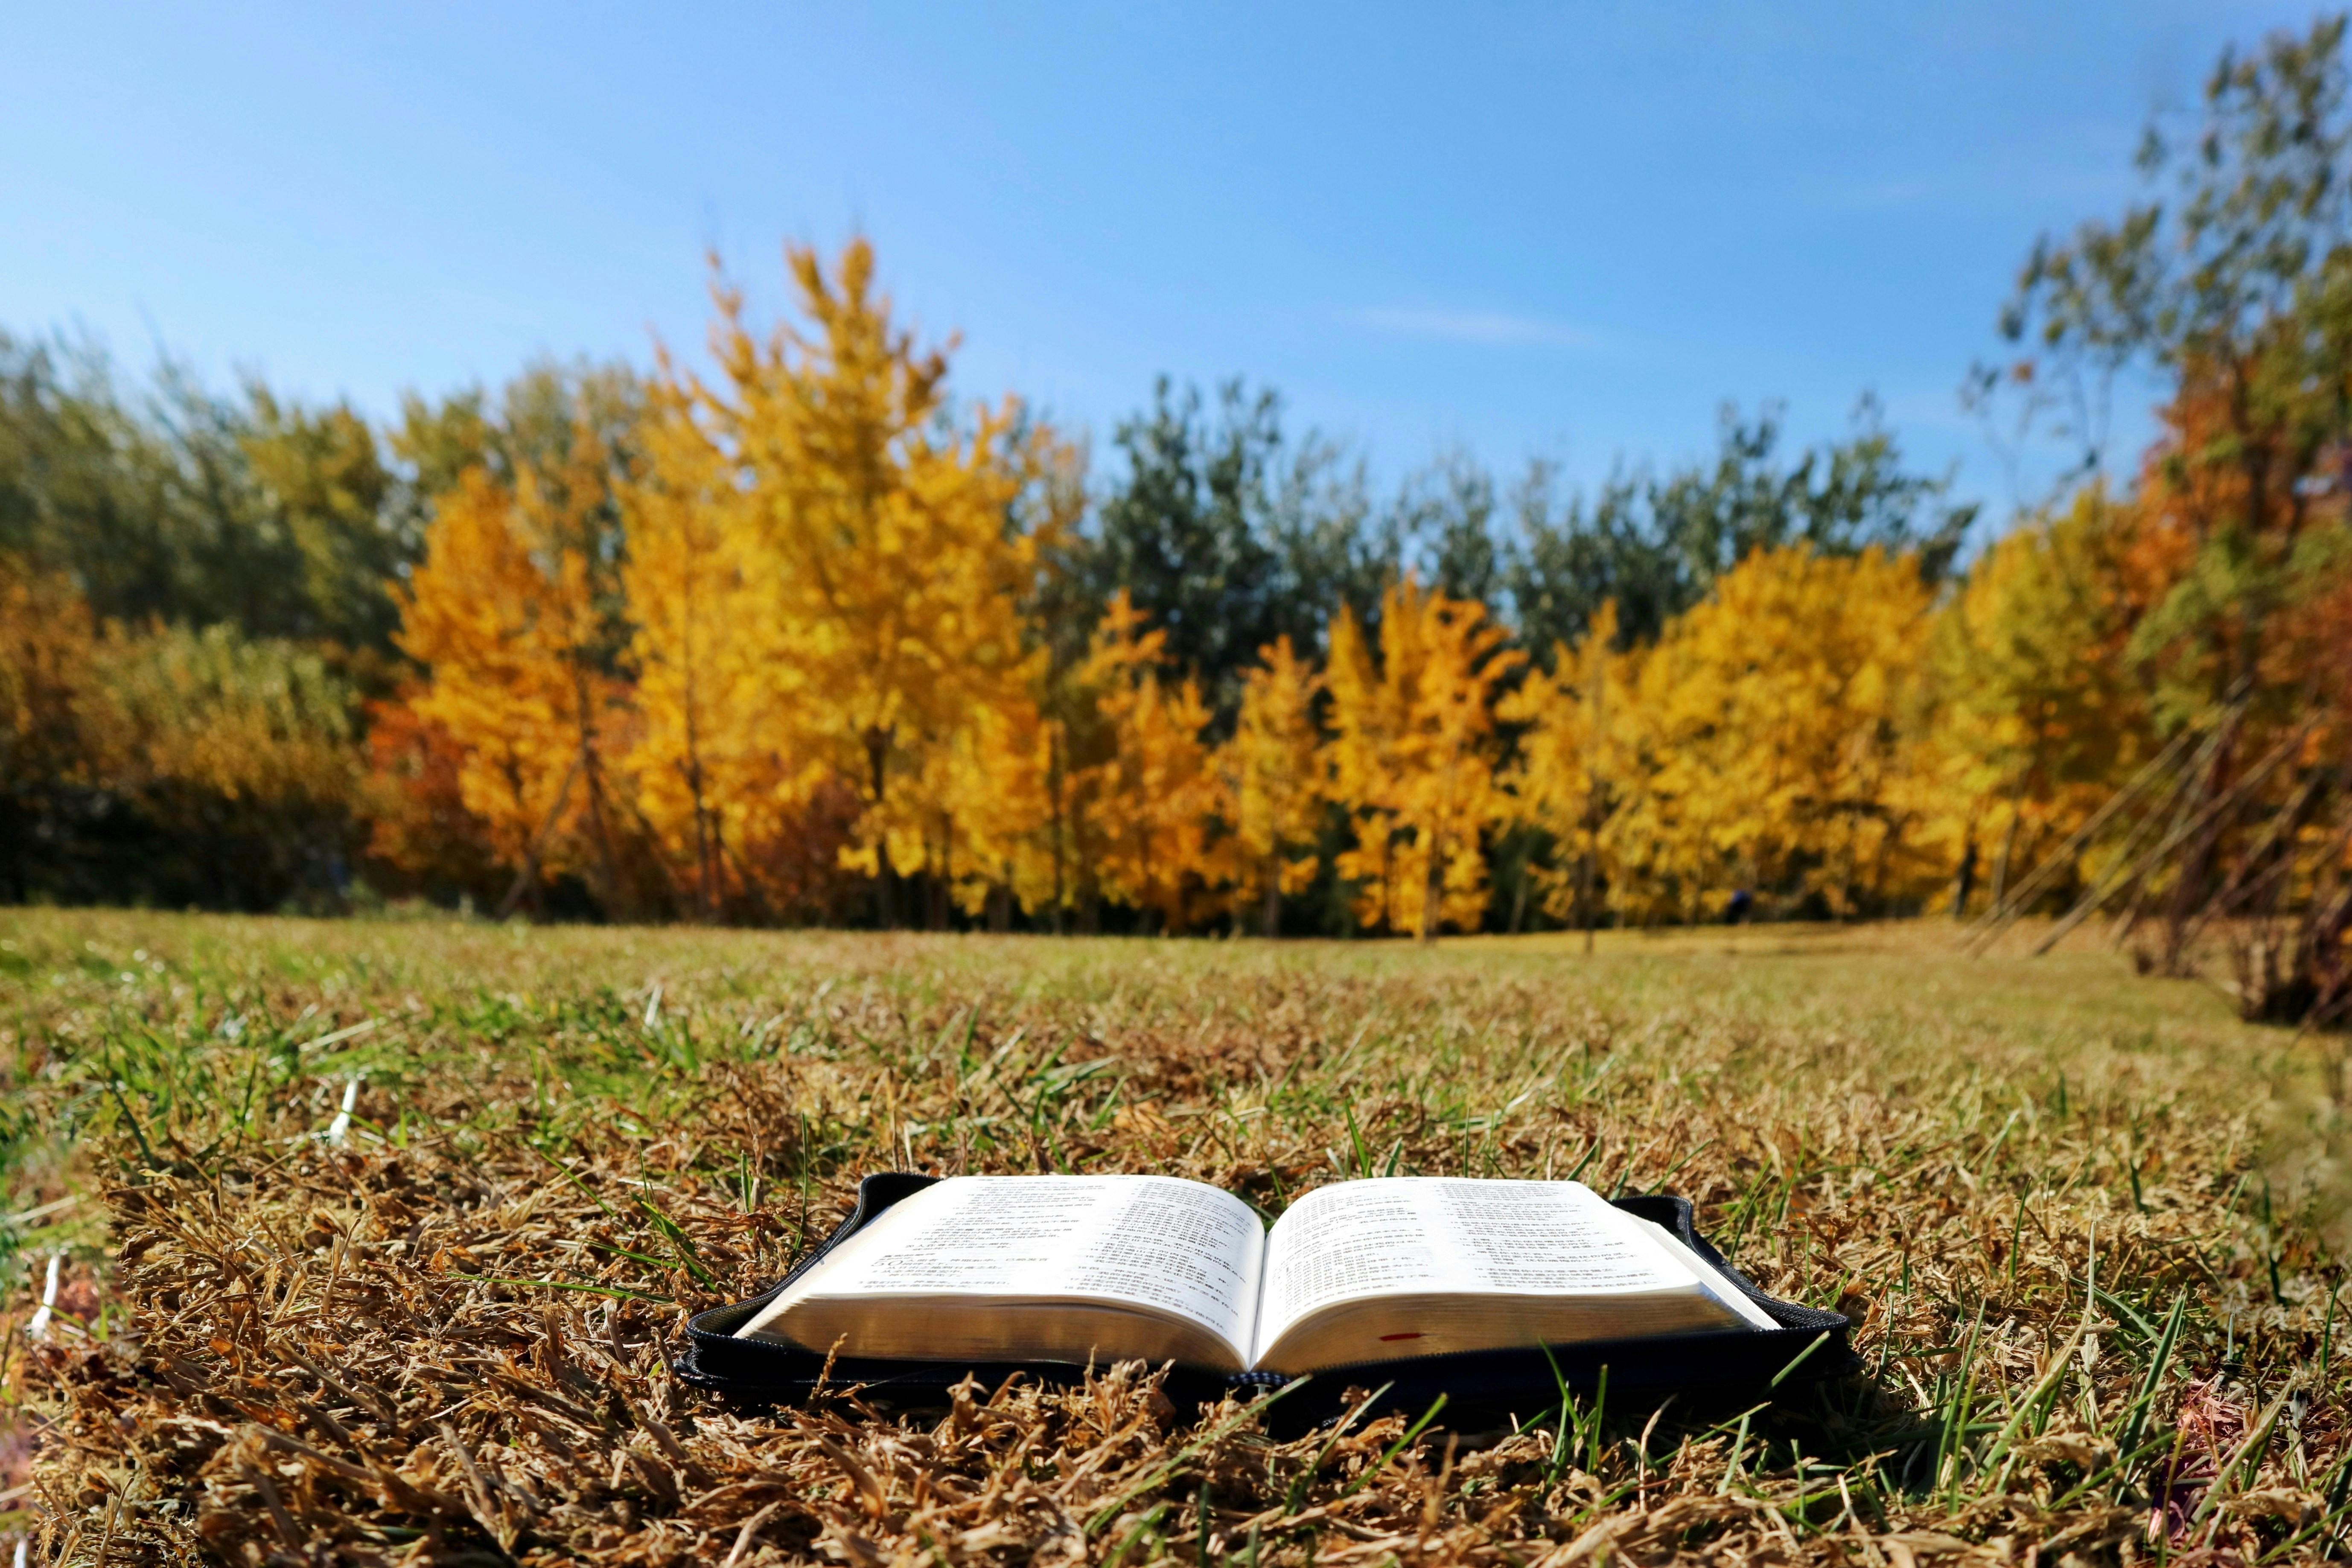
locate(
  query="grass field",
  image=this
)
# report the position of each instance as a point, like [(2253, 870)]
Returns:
[(2084, 1222)]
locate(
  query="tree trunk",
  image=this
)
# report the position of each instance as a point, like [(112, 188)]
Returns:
[(707, 868), (1584, 898), (1433, 890), (943, 881), (886, 879), (617, 903), (527, 875), (1584, 872), (1269, 923), (2196, 873), (1053, 779), (614, 896), (2008, 847)]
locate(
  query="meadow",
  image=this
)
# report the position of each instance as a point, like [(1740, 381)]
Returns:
[(2085, 1221)]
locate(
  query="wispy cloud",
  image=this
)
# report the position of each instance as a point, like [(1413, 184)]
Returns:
[(1887, 192), (1493, 326)]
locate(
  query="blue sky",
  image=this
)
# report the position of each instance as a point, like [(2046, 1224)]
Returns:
[(1567, 231)]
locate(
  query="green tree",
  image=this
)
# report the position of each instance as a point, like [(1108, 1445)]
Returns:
[(529, 422), (144, 498), (323, 487), (1655, 545), (168, 502), (1444, 515), (1229, 536)]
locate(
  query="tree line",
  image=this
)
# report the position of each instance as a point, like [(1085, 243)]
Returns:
[(792, 632), (772, 647)]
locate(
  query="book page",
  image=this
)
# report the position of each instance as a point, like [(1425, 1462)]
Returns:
[(1413, 1235), (1721, 1288), (1151, 1241)]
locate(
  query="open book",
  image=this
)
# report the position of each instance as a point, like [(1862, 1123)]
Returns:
[(1072, 1269)]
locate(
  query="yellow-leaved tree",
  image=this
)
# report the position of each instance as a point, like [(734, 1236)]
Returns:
[(2037, 719), (1152, 800), (1573, 745), (889, 561), (1772, 726), (1272, 775), (997, 810), (980, 812), (724, 775), (511, 613), (1412, 756), (1010, 822)]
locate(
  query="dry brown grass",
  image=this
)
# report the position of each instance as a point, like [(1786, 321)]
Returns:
[(449, 1337)]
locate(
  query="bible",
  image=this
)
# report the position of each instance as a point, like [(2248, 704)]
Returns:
[(997, 1269)]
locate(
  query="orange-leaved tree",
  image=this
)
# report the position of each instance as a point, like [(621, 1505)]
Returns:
[(47, 640), (422, 839), (1271, 773), (1412, 755), (240, 750), (55, 741)]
